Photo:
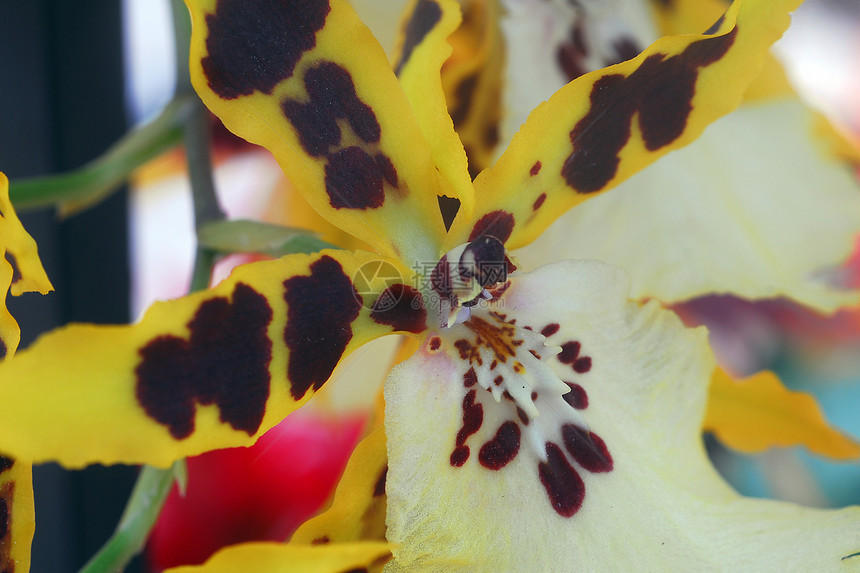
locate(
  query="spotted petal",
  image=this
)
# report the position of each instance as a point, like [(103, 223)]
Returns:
[(424, 48), (612, 471), (308, 81), (211, 370), (756, 207), (603, 127), (17, 522), (279, 557)]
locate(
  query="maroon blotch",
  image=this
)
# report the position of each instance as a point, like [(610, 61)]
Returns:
[(562, 483), (253, 45), (498, 224), (535, 168), (321, 309), (539, 202), (425, 16), (582, 365), (13, 262), (463, 99), (569, 352), (524, 418), (550, 329), (224, 362), (473, 417), (435, 343), (660, 91), (353, 180), (577, 397), (587, 448), (502, 448), (331, 97), (470, 378), (402, 308)]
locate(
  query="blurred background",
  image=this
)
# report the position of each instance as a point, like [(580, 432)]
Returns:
[(77, 76)]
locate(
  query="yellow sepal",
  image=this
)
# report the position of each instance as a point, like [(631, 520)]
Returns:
[(607, 125), (280, 557), (211, 370), (757, 413), (309, 82)]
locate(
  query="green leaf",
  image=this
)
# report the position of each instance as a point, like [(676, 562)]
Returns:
[(81, 189), (244, 236)]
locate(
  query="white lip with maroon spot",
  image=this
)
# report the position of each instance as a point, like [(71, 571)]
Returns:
[(549, 411)]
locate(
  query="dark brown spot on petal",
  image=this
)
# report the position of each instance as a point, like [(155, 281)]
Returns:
[(587, 448), (562, 483), (353, 180), (3, 349), (402, 308), (13, 262), (539, 201), (224, 362), (459, 456), (379, 486), (535, 168), (321, 540), (524, 418), (498, 224), (425, 16), (7, 497), (660, 90), (569, 352), (320, 312), (6, 463), (571, 54), (582, 365), (577, 397), (436, 343), (498, 380), (470, 378), (463, 99), (356, 570), (254, 45), (473, 417), (502, 448), (331, 97), (550, 329)]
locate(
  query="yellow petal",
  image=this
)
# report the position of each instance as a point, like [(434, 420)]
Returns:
[(757, 413), (21, 252), (423, 48), (17, 520), (279, 557), (472, 80), (476, 485), (603, 127), (210, 370), (10, 334), (309, 82), (358, 509), (691, 16), (756, 207)]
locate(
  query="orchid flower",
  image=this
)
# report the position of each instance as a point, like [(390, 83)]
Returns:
[(20, 272), (545, 422)]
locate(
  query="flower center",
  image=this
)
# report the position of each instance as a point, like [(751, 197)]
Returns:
[(511, 378), (462, 276)]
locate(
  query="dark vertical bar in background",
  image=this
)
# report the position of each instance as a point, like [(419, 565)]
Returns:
[(61, 104)]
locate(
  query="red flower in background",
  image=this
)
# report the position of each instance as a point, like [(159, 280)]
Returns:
[(263, 492)]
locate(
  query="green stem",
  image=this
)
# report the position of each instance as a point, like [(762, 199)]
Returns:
[(95, 181), (154, 484), (141, 511)]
